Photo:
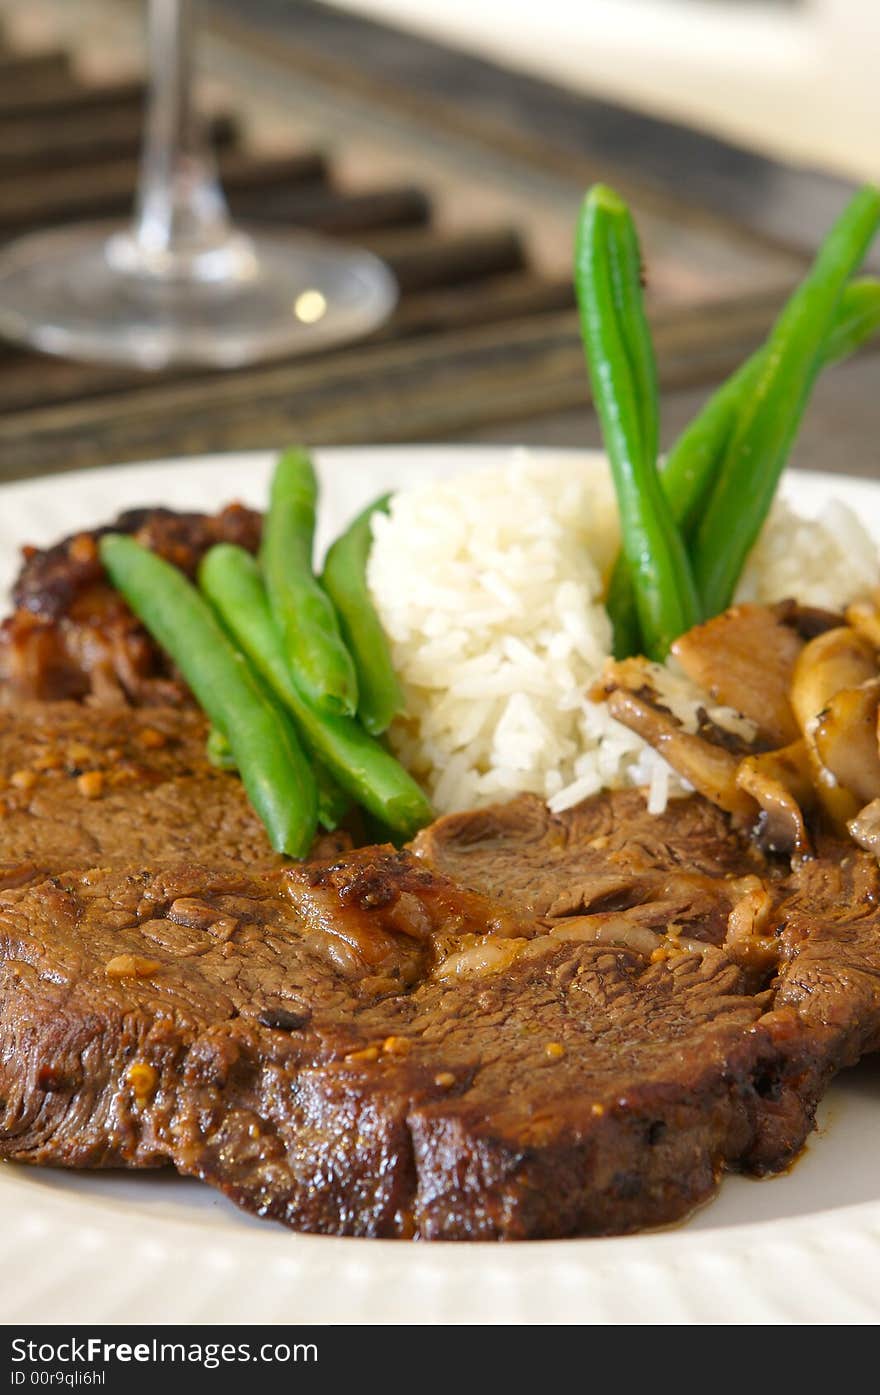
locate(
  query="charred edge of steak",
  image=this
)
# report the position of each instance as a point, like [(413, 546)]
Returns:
[(51, 578), (73, 636)]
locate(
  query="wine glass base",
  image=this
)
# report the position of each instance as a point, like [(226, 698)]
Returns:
[(65, 292)]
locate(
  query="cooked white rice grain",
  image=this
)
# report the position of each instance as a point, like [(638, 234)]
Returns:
[(490, 588), (826, 562)]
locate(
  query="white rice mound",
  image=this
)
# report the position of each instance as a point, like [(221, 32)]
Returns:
[(489, 586)]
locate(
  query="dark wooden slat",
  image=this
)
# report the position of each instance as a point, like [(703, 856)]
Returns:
[(327, 210), (421, 389), (19, 123), (533, 119), (104, 189), (28, 381), (64, 95), (40, 66), (46, 143), (493, 300), (424, 262)]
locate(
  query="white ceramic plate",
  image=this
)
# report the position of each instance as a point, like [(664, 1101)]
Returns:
[(117, 1247)]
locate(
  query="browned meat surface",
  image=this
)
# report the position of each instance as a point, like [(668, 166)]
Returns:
[(532, 1027), (71, 635), (117, 787), (188, 1016), (685, 867)]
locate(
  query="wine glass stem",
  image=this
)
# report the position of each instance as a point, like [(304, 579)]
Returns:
[(180, 215)]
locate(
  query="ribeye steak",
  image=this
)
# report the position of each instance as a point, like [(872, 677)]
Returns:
[(553, 1040)]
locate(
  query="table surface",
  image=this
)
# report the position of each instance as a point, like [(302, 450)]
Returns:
[(794, 81), (465, 175)]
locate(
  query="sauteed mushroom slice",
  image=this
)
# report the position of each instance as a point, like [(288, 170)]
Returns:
[(864, 616), (674, 693), (745, 659), (781, 782), (845, 737), (807, 620), (840, 658), (710, 769), (636, 675), (750, 940), (836, 661), (865, 828)]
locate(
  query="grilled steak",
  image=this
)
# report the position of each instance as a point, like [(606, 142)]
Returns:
[(555, 1041), (527, 1025)]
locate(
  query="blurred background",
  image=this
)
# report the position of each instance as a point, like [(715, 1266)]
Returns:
[(793, 78), (454, 140)]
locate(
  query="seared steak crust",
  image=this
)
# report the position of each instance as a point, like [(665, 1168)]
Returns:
[(52, 578)]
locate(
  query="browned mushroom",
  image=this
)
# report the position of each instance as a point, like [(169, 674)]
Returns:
[(692, 709), (864, 616), (745, 659), (865, 828), (807, 620), (636, 675), (838, 660), (781, 783), (749, 940), (845, 739), (710, 769)]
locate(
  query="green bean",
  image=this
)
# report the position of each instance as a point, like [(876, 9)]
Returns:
[(766, 427), (333, 802), (219, 751), (620, 362), (274, 771), (345, 580), (302, 609), (692, 462), (231, 580), (689, 470), (857, 319), (626, 275), (620, 603)]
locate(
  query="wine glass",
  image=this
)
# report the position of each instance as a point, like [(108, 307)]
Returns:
[(182, 284)]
